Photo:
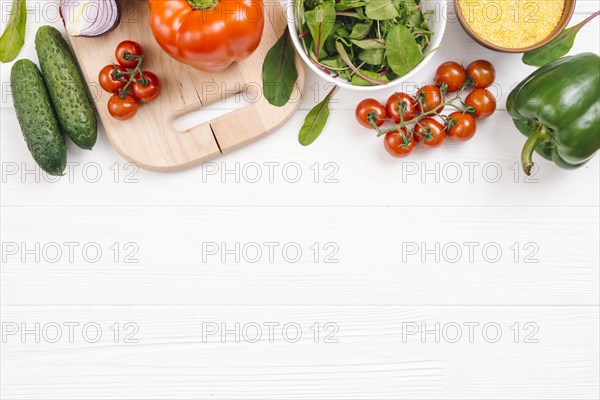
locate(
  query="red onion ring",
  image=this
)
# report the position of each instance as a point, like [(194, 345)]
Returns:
[(90, 18)]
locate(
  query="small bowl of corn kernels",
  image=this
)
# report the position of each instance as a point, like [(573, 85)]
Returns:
[(514, 26)]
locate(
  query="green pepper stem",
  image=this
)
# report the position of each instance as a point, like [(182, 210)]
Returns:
[(537, 137), (202, 4)]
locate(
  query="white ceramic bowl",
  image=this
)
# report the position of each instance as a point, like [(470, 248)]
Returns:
[(437, 24)]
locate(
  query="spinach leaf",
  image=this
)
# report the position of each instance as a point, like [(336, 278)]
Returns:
[(403, 52), (360, 30), (13, 38), (365, 41), (359, 81), (334, 63), (370, 43), (348, 61), (315, 120), (279, 71), (557, 47), (321, 21), (381, 9), (345, 5), (372, 56)]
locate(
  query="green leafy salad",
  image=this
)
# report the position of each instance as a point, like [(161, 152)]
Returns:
[(365, 42)]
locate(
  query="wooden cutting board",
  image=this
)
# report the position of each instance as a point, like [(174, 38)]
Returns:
[(149, 139)]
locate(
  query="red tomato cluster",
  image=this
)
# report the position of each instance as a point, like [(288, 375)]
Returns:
[(419, 120), (128, 83)]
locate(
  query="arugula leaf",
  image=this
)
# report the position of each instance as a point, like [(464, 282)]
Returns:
[(279, 71), (381, 9), (403, 52), (13, 38), (321, 21), (557, 47), (315, 120)]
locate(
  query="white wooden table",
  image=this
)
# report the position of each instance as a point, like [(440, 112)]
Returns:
[(279, 271)]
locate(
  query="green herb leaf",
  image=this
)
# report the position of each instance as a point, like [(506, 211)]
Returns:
[(334, 63), (344, 5), (372, 56), (279, 71), (370, 43), (357, 48), (13, 38), (359, 81), (321, 21), (360, 30), (315, 121), (346, 58), (403, 52), (558, 47), (381, 9)]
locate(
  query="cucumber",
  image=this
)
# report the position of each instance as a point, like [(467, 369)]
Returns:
[(37, 119), (66, 87)]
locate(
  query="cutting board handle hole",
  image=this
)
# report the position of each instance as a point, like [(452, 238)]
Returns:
[(229, 104)]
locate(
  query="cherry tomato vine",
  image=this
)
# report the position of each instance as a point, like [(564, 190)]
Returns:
[(128, 82), (416, 119)]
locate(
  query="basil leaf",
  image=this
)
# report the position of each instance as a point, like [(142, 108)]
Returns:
[(321, 21), (557, 47), (315, 121), (403, 51), (13, 38), (381, 9), (279, 72)]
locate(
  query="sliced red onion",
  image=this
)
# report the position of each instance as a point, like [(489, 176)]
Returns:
[(90, 18)]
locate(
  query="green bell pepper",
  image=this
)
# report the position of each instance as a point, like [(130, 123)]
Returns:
[(558, 108)]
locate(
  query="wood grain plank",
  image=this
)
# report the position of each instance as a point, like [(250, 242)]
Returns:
[(554, 357), (365, 256)]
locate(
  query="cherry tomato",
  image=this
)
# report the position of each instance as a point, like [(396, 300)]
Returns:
[(370, 110), (452, 74), (108, 81), (430, 97), (429, 133), (482, 73), (399, 143), (122, 109), (150, 91), (482, 101), (393, 111), (464, 126), (125, 50)]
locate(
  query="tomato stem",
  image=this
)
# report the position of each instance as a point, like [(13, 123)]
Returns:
[(132, 77), (202, 4), (435, 111)]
